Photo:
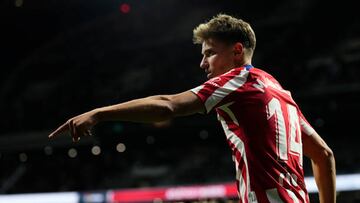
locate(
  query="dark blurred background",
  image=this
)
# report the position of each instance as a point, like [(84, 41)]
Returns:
[(62, 58)]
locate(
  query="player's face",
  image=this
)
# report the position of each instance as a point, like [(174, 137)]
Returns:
[(218, 57)]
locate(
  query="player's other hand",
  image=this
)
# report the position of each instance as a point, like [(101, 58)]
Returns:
[(77, 126)]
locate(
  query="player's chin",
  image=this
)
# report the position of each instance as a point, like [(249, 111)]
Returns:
[(210, 75)]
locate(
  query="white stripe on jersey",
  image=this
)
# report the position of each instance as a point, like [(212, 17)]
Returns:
[(225, 90), (306, 127), (273, 196), (197, 89), (292, 196), (244, 186), (302, 193), (239, 177)]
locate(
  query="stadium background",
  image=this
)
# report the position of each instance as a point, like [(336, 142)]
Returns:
[(61, 58)]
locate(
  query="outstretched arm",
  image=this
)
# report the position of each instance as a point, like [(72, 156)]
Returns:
[(323, 164), (145, 110)]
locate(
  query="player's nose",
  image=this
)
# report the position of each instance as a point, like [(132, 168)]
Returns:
[(204, 63)]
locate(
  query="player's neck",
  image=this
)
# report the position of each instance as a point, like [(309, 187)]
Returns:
[(243, 63)]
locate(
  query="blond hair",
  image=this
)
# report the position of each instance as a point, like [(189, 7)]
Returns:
[(226, 29)]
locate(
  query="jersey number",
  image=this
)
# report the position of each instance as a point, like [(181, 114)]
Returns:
[(273, 108)]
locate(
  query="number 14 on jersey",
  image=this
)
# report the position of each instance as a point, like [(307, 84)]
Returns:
[(283, 132)]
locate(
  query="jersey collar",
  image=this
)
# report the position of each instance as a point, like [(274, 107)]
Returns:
[(248, 66)]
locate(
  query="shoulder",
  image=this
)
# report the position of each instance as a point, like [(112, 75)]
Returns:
[(260, 72)]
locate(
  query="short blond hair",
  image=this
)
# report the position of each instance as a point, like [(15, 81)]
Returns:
[(226, 29)]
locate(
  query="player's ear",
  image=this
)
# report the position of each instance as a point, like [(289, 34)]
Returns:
[(238, 48)]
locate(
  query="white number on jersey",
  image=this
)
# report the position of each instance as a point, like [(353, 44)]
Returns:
[(273, 108)]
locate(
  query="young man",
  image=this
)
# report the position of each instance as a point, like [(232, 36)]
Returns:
[(265, 128)]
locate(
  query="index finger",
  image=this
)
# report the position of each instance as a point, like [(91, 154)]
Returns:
[(64, 127)]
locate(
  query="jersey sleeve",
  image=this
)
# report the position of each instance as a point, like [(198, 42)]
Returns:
[(214, 92), (305, 126)]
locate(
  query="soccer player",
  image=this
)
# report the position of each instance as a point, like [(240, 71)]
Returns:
[(265, 128)]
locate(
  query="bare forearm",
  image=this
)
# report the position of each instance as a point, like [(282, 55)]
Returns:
[(146, 110), (149, 109), (325, 177)]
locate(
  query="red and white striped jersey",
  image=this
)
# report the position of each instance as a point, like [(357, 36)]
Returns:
[(263, 126)]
